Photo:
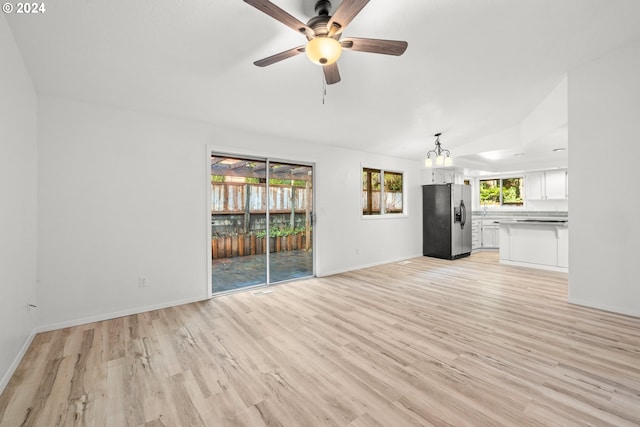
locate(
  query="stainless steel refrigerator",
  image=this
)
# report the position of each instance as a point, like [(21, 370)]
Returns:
[(446, 220)]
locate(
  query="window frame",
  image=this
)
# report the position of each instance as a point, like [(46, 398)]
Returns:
[(383, 214)]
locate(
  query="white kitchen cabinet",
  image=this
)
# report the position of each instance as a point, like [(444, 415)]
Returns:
[(555, 183), (563, 248), (549, 185), (447, 176), (534, 186), (475, 233), (490, 234)]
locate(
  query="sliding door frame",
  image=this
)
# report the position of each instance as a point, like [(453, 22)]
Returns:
[(268, 160)]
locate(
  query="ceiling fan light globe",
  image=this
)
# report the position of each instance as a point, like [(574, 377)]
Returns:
[(323, 50)]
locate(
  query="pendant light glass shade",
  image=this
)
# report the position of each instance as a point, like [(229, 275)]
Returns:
[(442, 155)]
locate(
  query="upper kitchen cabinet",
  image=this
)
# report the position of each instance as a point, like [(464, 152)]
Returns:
[(549, 185), (556, 184), (534, 186), (446, 176)]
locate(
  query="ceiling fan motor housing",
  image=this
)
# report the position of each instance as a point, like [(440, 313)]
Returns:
[(323, 7), (319, 25)]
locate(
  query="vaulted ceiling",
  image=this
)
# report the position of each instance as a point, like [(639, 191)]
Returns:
[(473, 69)]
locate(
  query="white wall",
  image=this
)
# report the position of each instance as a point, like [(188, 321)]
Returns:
[(548, 116), (604, 114), (548, 205), (123, 194), (17, 204)]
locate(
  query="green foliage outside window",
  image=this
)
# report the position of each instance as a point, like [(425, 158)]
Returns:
[(378, 200), (282, 231), (295, 182), (274, 181), (392, 181), (501, 192), (490, 192), (371, 176), (512, 191)]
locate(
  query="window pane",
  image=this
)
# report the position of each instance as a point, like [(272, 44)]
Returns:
[(512, 189), (371, 191), (393, 192), (490, 192)]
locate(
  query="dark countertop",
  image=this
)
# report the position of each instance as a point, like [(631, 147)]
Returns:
[(536, 221)]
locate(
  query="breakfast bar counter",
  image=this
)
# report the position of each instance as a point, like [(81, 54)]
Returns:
[(538, 243)]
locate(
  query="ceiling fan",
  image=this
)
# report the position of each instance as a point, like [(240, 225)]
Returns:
[(324, 34)]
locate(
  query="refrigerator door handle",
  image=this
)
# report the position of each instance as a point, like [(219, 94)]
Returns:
[(463, 208)]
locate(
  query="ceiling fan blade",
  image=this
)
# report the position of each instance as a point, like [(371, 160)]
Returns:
[(331, 73), (344, 14), (280, 15), (386, 47), (279, 56)]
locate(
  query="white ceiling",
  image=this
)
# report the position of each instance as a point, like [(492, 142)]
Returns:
[(472, 68)]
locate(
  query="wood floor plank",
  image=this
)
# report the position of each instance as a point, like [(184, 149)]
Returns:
[(419, 343)]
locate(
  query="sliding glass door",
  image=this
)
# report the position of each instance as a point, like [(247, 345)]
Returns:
[(290, 203), (260, 222), (238, 212)]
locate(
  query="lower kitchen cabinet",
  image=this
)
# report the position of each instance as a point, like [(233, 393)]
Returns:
[(563, 247), (475, 233), (485, 234), (490, 234)]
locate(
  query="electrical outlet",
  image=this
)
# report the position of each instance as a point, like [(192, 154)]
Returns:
[(142, 281)]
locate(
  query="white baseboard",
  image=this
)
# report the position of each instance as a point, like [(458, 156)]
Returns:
[(533, 265), (82, 321), (16, 361), (113, 315), (604, 307)]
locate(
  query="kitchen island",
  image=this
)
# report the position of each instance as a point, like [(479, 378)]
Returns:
[(538, 243)]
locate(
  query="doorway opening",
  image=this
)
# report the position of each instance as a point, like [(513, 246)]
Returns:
[(261, 222)]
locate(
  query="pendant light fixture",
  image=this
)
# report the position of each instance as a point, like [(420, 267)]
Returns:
[(441, 155)]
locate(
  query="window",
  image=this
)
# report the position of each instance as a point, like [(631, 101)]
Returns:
[(501, 192), (378, 199)]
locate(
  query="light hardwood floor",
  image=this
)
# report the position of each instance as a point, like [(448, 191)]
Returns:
[(429, 342)]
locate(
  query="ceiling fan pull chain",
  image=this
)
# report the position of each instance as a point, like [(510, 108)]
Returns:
[(324, 89)]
